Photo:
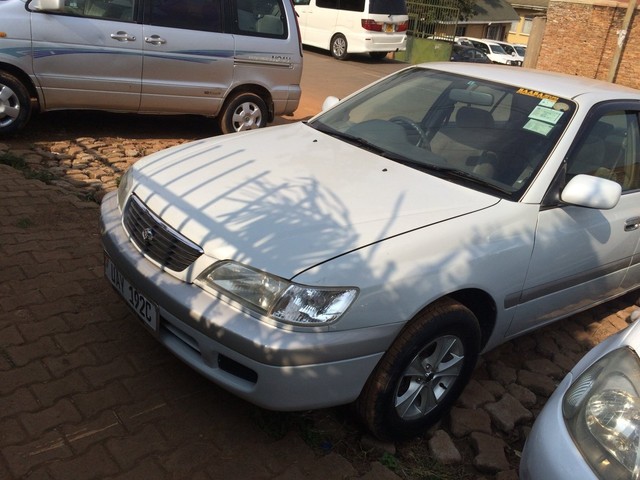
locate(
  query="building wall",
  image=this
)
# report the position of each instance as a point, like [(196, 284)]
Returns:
[(581, 38)]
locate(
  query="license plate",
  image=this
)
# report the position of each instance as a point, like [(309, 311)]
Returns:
[(146, 310), (389, 27)]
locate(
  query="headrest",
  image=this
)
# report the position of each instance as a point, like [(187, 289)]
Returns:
[(470, 117)]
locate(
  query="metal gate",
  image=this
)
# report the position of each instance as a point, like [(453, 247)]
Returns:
[(434, 19)]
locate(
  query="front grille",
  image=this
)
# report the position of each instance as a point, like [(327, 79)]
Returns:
[(156, 239)]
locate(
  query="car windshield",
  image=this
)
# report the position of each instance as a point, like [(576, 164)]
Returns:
[(482, 134), (521, 50), (497, 49)]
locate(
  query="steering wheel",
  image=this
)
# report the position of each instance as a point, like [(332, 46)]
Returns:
[(407, 122)]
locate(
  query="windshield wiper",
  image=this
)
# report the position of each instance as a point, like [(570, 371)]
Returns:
[(467, 176), (357, 141)]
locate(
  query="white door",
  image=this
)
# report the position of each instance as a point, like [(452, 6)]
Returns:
[(582, 256)]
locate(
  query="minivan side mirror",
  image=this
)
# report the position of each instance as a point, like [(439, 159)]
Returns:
[(329, 102), (47, 5), (592, 192)]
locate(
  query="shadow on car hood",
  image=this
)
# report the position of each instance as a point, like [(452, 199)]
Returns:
[(288, 197)]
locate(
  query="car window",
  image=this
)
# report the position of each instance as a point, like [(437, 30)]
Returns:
[(109, 10), (261, 18), (610, 149), (202, 15)]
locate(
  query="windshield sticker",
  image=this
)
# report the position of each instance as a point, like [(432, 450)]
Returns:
[(537, 126), (540, 95), (547, 102), (546, 114)]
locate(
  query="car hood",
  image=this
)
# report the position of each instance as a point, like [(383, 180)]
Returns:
[(286, 198)]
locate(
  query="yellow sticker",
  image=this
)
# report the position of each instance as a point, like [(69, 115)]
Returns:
[(540, 95)]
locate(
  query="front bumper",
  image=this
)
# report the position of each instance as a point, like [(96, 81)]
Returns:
[(275, 368)]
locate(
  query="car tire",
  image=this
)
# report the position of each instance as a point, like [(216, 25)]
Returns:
[(339, 47), (15, 104), (244, 111), (378, 55), (423, 372)]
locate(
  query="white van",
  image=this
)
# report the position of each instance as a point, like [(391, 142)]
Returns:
[(237, 60), (492, 48), (376, 27)]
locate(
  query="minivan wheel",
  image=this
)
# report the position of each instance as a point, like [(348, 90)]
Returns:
[(244, 111), (15, 104), (339, 47), (422, 374)]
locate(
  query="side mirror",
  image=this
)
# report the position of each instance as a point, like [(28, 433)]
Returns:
[(591, 192), (329, 102), (47, 5)]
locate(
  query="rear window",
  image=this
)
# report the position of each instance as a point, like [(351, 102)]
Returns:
[(388, 7)]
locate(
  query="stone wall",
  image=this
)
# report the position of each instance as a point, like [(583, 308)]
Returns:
[(581, 38)]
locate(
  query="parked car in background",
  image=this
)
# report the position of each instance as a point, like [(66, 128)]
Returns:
[(241, 64), (590, 427), (371, 253), (513, 51), (376, 27), (491, 48), (460, 53)]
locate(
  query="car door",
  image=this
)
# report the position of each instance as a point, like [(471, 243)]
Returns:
[(89, 55), (583, 256), (188, 60)]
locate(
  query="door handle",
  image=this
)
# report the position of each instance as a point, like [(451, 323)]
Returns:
[(632, 224), (155, 40), (123, 37)]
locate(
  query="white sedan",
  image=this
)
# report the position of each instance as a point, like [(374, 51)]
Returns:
[(370, 254)]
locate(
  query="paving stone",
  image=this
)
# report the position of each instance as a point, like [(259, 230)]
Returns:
[(464, 421), (379, 472), (96, 463), (544, 366), (26, 456), (525, 396), (507, 412), (442, 448), (63, 412), (490, 456), (475, 395), (537, 383)]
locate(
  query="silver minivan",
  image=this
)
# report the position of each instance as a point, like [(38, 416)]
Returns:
[(237, 60)]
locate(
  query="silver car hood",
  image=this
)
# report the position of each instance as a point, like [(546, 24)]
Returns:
[(286, 198)]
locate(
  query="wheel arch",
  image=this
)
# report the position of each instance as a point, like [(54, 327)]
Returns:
[(26, 81), (256, 89), (482, 305)]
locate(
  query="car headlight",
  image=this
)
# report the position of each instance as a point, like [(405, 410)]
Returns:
[(276, 297), (124, 187), (602, 411)]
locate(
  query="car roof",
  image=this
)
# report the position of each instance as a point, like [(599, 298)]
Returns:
[(558, 84)]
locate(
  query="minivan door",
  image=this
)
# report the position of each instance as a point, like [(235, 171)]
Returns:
[(88, 56), (188, 61)]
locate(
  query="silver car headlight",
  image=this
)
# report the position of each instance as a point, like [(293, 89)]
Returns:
[(124, 187), (602, 411), (276, 297)]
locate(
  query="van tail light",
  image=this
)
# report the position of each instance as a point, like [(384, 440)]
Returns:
[(371, 25)]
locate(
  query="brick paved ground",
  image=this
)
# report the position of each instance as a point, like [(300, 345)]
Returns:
[(85, 393)]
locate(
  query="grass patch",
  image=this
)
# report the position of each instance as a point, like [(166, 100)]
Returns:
[(24, 223), (18, 163)]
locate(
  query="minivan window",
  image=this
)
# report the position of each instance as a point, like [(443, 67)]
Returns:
[(388, 7), (204, 15), (115, 10), (262, 18), (352, 5)]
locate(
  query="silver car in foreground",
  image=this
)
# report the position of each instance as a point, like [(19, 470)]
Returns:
[(371, 253), (590, 427)]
